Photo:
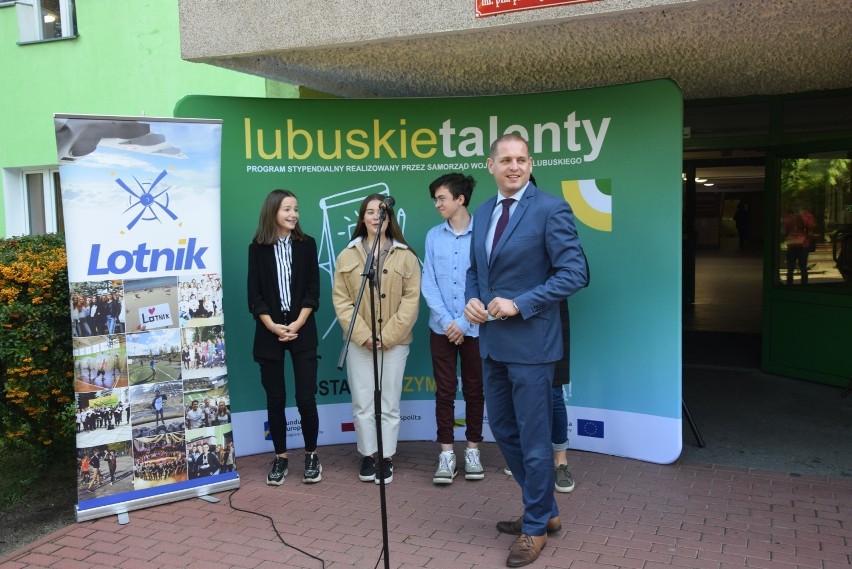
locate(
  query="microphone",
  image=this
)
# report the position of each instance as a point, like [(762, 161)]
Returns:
[(387, 203)]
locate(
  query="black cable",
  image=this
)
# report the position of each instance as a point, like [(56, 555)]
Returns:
[(275, 529)]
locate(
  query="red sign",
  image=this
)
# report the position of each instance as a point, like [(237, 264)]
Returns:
[(494, 7)]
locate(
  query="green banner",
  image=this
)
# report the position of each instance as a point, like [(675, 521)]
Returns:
[(613, 153)]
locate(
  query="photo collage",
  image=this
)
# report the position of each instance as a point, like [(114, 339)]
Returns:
[(150, 383)]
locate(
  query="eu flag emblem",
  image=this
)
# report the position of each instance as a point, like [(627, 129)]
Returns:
[(587, 428)]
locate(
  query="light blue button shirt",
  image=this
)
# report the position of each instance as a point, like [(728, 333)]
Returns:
[(444, 274)]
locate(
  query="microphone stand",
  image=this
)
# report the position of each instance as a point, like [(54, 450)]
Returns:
[(369, 274)]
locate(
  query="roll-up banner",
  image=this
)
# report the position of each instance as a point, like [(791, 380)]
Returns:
[(141, 205), (613, 153)]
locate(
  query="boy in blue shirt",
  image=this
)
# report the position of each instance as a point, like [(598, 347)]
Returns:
[(452, 337)]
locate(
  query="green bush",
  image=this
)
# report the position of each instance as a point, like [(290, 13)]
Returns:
[(36, 365)]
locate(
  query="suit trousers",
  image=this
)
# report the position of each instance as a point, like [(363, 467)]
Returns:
[(445, 356), (520, 413), (305, 379), (359, 369)]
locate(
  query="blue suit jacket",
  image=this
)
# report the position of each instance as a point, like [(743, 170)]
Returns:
[(538, 263)]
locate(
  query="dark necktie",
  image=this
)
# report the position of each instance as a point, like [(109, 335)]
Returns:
[(503, 221)]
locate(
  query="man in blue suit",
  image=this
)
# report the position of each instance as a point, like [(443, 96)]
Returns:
[(526, 259)]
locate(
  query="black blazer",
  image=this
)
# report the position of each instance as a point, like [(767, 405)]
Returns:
[(263, 296)]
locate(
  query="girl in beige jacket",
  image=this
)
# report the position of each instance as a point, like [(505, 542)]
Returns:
[(397, 294)]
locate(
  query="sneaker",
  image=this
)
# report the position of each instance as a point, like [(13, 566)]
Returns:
[(368, 469), (313, 469), (446, 468), (278, 472), (472, 467), (388, 474), (563, 481), (507, 471)]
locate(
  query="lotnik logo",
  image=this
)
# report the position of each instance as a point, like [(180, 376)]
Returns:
[(148, 203), (149, 195), (144, 259)]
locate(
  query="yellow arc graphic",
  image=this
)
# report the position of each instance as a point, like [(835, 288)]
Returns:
[(590, 205)]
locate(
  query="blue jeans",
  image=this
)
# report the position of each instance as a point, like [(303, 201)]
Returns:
[(559, 434)]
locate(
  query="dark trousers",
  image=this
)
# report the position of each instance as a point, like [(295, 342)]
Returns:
[(559, 436), (445, 354), (305, 379), (797, 256), (520, 414)]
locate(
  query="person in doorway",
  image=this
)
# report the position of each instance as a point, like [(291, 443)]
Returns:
[(742, 220), (397, 288), (526, 258), (283, 295), (798, 228), (452, 337)]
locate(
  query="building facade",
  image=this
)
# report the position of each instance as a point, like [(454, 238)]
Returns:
[(767, 118), (88, 57), (767, 86)]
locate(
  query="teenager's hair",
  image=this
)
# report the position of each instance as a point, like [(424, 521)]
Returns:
[(457, 184), (506, 137), (267, 227), (392, 231)]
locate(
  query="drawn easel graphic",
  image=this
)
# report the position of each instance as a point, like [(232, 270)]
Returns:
[(339, 216)]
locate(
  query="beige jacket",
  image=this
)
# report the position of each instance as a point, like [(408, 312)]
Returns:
[(400, 302)]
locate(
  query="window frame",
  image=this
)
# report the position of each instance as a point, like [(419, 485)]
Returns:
[(776, 268), (32, 31), (17, 200)]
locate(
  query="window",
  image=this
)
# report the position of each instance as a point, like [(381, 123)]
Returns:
[(41, 20), (33, 202), (815, 222)]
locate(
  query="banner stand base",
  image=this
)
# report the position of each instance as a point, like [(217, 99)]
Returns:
[(231, 481), (123, 519), (209, 498)]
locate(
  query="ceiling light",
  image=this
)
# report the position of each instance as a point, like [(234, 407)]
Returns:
[(700, 180), (49, 18), (709, 184)]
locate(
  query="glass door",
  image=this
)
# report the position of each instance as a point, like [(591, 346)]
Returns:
[(814, 246)]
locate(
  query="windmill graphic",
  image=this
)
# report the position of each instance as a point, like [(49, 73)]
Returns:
[(148, 197)]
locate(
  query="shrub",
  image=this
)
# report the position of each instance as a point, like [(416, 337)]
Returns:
[(36, 365)]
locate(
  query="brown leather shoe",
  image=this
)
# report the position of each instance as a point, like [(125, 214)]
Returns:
[(514, 527), (525, 550)]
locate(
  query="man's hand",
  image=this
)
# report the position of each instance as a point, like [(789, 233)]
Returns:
[(475, 312), (502, 308)]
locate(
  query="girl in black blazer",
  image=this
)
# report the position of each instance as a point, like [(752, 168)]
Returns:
[(283, 294)]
